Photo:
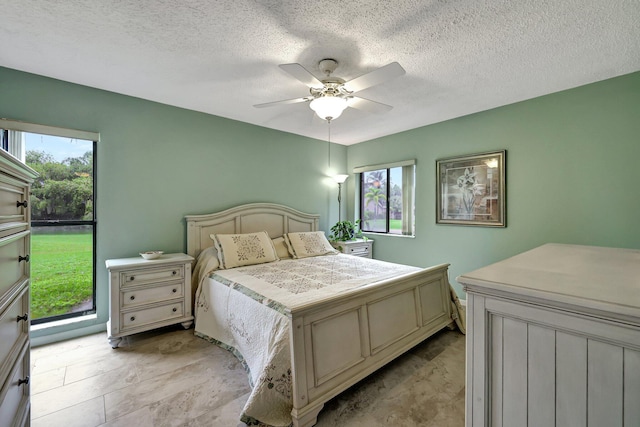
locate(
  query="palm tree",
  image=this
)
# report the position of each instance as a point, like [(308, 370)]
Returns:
[(375, 195), (377, 178)]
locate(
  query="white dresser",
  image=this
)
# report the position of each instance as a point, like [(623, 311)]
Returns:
[(148, 294), (358, 247), (15, 245), (553, 339)]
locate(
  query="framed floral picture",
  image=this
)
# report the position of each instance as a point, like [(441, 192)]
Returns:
[(471, 190)]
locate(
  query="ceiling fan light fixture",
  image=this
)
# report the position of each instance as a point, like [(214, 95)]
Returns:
[(328, 107)]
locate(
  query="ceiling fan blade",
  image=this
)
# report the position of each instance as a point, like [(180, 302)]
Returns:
[(301, 73), (368, 105), (286, 101), (375, 77)]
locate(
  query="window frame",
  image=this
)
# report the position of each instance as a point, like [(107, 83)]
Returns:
[(407, 193)]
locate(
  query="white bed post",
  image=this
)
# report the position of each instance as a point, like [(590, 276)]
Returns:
[(302, 414)]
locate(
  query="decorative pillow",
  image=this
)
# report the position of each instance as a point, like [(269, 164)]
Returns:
[(236, 250), (281, 248), (308, 244)]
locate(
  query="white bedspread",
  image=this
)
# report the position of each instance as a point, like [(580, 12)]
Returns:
[(242, 309)]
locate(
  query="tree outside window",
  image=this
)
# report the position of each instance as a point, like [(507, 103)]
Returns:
[(64, 190)]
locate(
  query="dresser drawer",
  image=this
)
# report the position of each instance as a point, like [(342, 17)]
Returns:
[(9, 228), (12, 331), (12, 192), (134, 297), (137, 318), (151, 275), (11, 249), (14, 395)]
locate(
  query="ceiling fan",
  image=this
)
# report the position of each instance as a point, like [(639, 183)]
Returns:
[(330, 96)]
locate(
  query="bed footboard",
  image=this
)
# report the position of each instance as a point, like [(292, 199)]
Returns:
[(339, 341)]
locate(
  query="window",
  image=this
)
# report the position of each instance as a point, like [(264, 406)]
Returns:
[(63, 223), (387, 198), (62, 227)]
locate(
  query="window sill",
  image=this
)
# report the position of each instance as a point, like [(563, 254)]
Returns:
[(60, 330), (374, 235)]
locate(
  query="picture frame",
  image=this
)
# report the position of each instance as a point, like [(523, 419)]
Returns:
[(470, 190)]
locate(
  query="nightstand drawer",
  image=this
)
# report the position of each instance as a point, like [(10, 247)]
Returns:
[(359, 247), (136, 318), (134, 297), (359, 250), (152, 275)]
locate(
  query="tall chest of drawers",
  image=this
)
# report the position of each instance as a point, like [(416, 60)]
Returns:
[(553, 339), (148, 294), (15, 244)]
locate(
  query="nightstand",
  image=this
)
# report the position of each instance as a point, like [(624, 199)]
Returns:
[(148, 294), (359, 247)]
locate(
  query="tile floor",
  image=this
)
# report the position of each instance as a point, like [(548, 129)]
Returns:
[(169, 377)]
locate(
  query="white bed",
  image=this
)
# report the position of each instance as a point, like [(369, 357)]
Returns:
[(307, 351)]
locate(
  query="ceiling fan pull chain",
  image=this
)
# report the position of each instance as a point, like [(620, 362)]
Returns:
[(329, 140)]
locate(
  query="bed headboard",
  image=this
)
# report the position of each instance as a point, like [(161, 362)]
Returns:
[(277, 220)]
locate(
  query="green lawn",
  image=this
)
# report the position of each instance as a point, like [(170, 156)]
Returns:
[(61, 272), (395, 225)]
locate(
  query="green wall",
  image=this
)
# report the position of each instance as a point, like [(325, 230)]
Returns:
[(573, 163), (157, 163)]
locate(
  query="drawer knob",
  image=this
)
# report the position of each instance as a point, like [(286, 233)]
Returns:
[(174, 272), (24, 204), (175, 309), (24, 317), (175, 290), (24, 381), (23, 258), (132, 318), (132, 297), (131, 278)]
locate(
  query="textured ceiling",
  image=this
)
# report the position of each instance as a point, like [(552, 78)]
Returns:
[(221, 57)]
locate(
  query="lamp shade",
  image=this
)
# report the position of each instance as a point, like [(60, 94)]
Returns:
[(340, 178), (328, 107)]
